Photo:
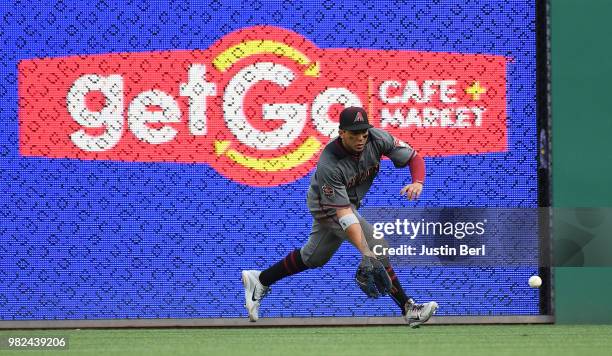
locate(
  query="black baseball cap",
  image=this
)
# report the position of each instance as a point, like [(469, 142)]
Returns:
[(354, 119)]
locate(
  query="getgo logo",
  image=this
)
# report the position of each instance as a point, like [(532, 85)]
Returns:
[(258, 105)]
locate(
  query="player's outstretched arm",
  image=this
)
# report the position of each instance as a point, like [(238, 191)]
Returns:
[(413, 190), (371, 275), (354, 231)]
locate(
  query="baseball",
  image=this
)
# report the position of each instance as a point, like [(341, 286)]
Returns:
[(535, 281)]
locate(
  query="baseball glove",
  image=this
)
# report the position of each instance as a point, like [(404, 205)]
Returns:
[(372, 278)]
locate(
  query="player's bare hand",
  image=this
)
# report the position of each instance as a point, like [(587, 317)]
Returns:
[(412, 191)]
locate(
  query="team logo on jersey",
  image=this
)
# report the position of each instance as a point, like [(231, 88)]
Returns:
[(399, 143), (327, 190), (258, 105)]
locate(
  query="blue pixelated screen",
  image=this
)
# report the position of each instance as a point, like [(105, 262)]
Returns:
[(150, 151)]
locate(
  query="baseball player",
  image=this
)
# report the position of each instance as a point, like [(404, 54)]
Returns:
[(344, 174)]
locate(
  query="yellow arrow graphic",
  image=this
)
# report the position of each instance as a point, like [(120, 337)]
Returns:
[(247, 48), (303, 153)]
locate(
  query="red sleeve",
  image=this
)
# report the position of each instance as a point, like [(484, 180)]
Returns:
[(417, 168)]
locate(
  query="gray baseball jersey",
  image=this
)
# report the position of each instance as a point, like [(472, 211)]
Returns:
[(343, 179)]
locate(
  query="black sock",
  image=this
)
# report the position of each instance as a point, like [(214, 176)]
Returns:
[(397, 292), (291, 264)]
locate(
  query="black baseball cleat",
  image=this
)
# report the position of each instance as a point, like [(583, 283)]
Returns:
[(254, 292), (417, 314)]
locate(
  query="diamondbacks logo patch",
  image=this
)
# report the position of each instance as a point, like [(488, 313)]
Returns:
[(399, 143), (358, 117), (327, 190)]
